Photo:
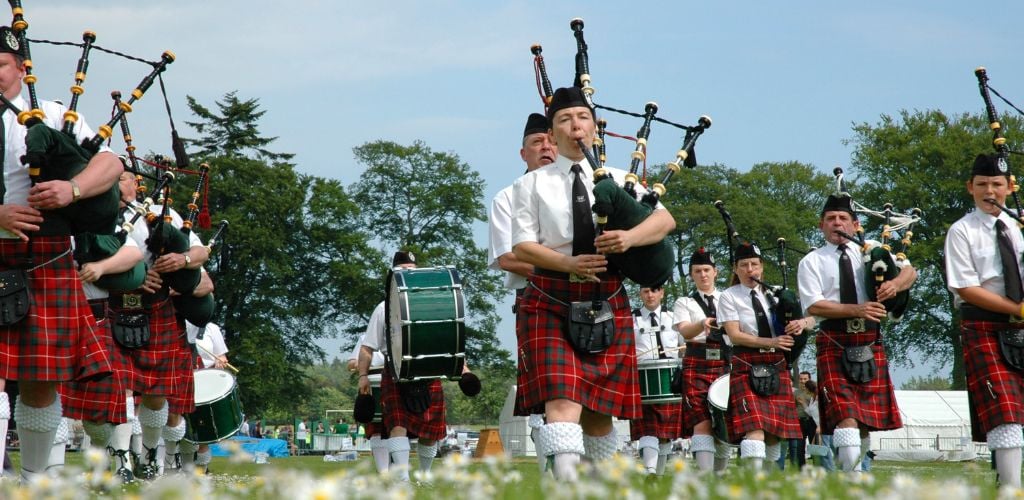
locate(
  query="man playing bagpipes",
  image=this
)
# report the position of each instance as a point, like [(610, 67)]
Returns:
[(706, 358), (46, 316), (537, 150), (577, 362), (655, 340), (761, 406), (854, 388), (983, 262), (418, 412)]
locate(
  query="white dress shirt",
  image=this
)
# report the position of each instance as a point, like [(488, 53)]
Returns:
[(542, 203), (646, 343), (211, 345), (687, 310), (972, 254), (500, 230), (735, 305), (376, 362), (374, 337), (818, 273)]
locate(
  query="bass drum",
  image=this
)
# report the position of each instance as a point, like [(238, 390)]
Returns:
[(218, 413), (425, 324), (718, 403)]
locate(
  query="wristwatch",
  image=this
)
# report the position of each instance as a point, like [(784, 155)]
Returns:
[(188, 260), (75, 192)]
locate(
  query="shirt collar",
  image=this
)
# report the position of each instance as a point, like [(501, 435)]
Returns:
[(564, 166), (989, 221)]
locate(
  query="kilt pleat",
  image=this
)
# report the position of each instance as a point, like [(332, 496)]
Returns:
[(157, 363), (57, 340), (698, 375), (996, 391), (659, 420), (775, 415), (430, 424), (103, 400), (872, 404), (606, 383)]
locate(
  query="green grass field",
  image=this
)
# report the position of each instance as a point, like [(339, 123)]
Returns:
[(303, 477)]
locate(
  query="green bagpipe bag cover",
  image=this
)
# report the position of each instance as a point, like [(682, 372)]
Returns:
[(649, 265)]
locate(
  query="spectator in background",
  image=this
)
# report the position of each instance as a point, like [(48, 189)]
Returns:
[(244, 430), (300, 435), (341, 427), (320, 428), (798, 447), (826, 461)]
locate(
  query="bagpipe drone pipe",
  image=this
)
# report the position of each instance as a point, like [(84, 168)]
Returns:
[(616, 207), (880, 265), (999, 143), (782, 300), (53, 154)]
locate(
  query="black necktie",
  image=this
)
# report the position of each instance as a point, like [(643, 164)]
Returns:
[(847, 283), (764, 328), (3, 155), (1011, 271), (582, 222), (657, 335), (710, 301)]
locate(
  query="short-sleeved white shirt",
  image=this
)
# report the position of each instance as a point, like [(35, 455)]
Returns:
[(972, 254), (211, 345), (687, 310), (500, 231), (735, 305), (374, 338), (646, 343)]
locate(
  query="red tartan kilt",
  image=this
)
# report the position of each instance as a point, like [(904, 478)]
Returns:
[(56, 341), (183, 400), (996, 391), (698, 374), (872, 404), (659, 420), (775, 415), (157, 363), (549, 368), (103, 400), (428, 425)]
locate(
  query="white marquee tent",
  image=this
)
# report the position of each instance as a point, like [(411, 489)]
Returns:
[(936, 426)]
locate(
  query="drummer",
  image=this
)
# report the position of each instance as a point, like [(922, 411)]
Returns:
[(376, 430), (655, 340), (213, 353), (399, 419), (706, 359), (761, 408)]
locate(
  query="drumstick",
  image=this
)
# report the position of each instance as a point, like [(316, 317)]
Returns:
[(215, 357), (668, 350)]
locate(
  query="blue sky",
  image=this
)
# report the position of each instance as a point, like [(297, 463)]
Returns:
[(782, 80)]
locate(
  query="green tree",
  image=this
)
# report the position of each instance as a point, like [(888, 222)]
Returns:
[(932, 383), (922, 159), (290, 269)]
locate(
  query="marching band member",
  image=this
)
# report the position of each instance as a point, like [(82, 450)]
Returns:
[(403, 416), (537, 150), (553, 230), (41, 349), (761, 406), (655, 339), (213, 353), (983, 262), (833, 287), (705, 359)]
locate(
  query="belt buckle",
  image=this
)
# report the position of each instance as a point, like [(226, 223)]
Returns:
[(770, 349), (576, 278), (855, 325), (712, 354), (131, 301)]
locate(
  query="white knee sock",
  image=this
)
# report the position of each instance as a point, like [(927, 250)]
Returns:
[(703, 448), (723, 452), (426, 455), (772, 452), (564, 441), (172, 436), (120, 441), (648, 453), (153, 422), (5, 419), (1006, 440), (664, 449), (399, 448), (60, 445), (187, 451), (381, 455), (601, 448), (37, 428), (847, 441), (753, 453), (99, 433)]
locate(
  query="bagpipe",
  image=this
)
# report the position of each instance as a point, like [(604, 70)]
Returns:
[(999, 143), (879, 263), (53, 154), (782, 300), (616, 207)]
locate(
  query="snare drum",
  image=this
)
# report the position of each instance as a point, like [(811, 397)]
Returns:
[(656, 380), (718, 403), (218, 413), (425, 323)]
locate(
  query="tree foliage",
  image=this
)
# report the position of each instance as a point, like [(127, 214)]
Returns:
[(922, 159)]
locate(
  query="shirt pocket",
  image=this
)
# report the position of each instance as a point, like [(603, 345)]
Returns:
[(988, 261)]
